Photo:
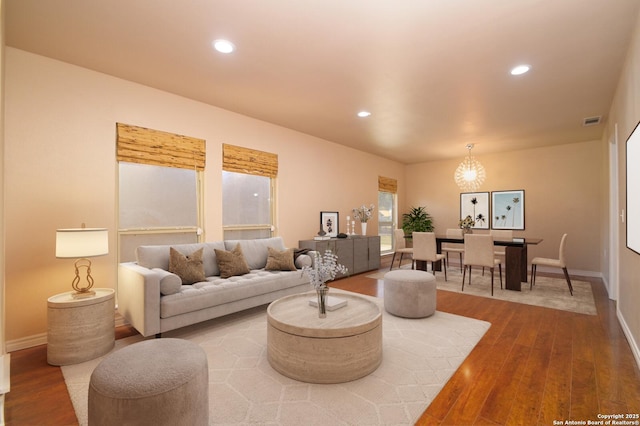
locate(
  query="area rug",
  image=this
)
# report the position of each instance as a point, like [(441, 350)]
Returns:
[(419, 356), (548, 292)]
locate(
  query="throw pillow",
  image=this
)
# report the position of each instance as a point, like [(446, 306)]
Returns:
[(280, 260), (170, 283), (299, 252), (303, 260), (189, 268), (231, 263)]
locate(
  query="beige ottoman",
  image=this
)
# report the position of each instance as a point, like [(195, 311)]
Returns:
[(155, 382), (410, 293)]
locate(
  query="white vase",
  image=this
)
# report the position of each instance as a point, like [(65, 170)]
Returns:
[(364, 227)]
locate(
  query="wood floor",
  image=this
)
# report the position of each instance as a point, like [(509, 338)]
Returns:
[(533, 367)]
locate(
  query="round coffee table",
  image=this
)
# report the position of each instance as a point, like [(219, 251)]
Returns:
[(344, 346)]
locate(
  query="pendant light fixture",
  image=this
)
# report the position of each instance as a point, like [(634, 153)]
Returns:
[(470, 173)]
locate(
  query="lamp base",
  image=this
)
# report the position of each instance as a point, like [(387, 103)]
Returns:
[(83, 294)]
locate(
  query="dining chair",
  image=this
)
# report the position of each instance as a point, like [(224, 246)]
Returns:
[(478, 251), (501, 234), (424, 248), (454, 247), (560, 262), (401, 247)]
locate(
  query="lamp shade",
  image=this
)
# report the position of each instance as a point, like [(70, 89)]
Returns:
[(82, 242)]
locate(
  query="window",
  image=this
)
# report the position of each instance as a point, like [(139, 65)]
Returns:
[(387, 207), (159, 188), (248, 193), (246, 206), (158, 205)]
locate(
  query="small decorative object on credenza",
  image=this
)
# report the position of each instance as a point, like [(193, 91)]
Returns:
[(81, 243), (363, 214), (325, 268), (348, 224)]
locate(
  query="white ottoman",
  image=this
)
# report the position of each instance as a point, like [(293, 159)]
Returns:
[(155, 382), (410, 293)]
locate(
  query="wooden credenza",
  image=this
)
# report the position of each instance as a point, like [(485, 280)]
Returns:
[(357, 253)]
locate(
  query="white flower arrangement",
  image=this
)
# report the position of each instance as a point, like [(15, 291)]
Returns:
[(363, 213), (325, 268)]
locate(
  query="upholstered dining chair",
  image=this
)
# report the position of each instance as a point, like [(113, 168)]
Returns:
[(424, 248), (560, 262), (478, 251), (501, 234), (401, 247), (453, 247)]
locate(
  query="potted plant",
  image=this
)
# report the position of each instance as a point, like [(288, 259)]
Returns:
[(417, 220)]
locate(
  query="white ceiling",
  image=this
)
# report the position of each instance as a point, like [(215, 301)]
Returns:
[(434, 73)]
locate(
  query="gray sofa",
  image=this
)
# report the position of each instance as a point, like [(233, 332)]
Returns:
[(154, 300)]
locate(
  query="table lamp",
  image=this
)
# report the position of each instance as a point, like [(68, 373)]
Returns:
[(82, 243)]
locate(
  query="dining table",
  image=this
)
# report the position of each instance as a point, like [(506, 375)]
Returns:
[(515, 257)]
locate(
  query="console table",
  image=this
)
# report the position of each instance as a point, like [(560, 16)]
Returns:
[(357, 253)]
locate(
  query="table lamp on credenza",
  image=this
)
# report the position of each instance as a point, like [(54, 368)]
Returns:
[(80, 244)]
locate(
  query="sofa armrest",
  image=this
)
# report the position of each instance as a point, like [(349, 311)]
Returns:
[(139, 297)]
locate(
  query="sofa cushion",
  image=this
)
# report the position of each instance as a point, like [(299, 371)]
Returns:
[(231, 263), (303, 260), (170, 283), (189, 267), (255, 251), (217, 291), (158, 256), (278, 260)]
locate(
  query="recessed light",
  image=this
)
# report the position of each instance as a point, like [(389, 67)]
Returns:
[(223, 46), (364, 114), (520, 69)]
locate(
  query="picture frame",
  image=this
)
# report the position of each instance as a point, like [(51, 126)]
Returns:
[(476, 205), (632, 151), (507, 209), (330, 223)]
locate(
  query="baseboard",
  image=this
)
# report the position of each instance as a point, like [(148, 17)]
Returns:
[(26, 342), (41, 339), (627, 332)]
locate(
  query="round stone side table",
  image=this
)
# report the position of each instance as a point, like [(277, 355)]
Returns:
[(80, 329)]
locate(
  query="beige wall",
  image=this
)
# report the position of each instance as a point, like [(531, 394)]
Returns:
[(563, 193), (2, 294), (61, 172), (625, 113)]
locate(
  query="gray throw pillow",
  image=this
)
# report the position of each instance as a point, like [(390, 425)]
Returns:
[(170, 283)]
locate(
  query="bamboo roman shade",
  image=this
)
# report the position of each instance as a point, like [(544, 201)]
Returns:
[(157, 148), (386, 184), (249, 161)]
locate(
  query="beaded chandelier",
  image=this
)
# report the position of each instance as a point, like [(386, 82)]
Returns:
[(470, 173)]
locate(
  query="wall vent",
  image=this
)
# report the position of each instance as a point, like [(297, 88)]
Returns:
[(591, 121)]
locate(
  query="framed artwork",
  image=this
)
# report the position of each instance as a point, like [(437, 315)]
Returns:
[(633, 195), (507, 209), (476, 205), (329, 223)]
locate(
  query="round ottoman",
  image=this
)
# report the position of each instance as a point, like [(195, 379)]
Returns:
[(409, 293), (158, 382)]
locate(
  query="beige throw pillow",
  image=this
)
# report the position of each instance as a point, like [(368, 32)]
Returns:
[(189, 268), (280, 260), (231, 263)]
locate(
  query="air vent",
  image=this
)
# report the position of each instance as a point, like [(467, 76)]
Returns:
[(591, 121)]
